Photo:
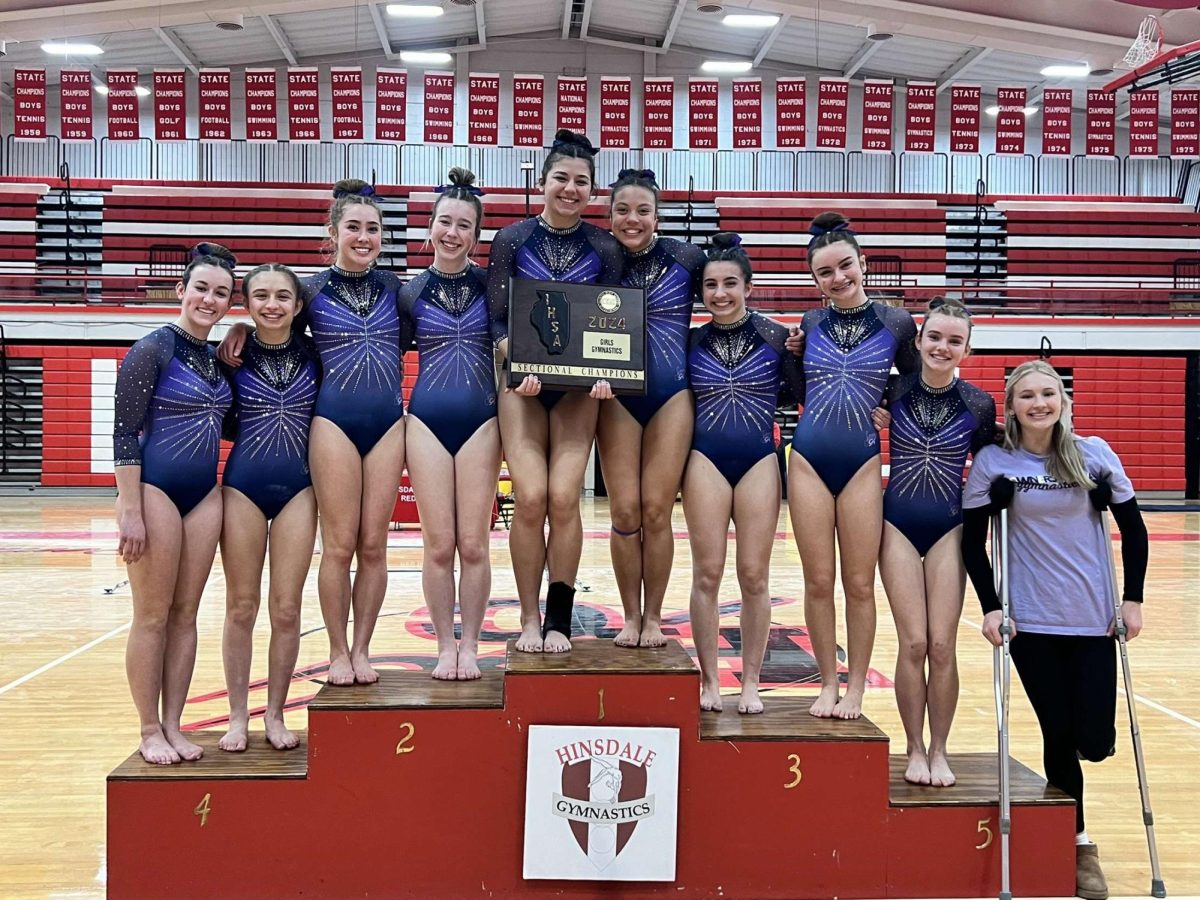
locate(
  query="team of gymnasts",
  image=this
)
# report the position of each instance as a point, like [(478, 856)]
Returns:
[(311, 398)]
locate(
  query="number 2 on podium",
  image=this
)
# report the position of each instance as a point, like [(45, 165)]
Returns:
[(203, 808), (404, 745), (793, 769)]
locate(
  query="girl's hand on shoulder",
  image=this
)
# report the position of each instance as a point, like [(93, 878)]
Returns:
[(794, 343), (991, 627), (530, 386), (1131, 614), (601, 390), (230, 349), (131, 535)]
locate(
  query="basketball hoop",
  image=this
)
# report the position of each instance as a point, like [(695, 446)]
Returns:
[(1147, 44)]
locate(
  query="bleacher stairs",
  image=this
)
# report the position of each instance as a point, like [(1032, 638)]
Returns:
[(416, 788), (68, 226), (694, 222), (394, 254), (20, 419), (976, 245)]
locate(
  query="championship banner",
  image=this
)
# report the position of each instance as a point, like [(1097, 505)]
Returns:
[(304, 104), (75, 104), (529, 100), (123, 121), (170, 105), (1101, 123), (261, 105), (747, 113), (877, 115), (483, 101), (1010, 121), (658, 113), (964, 118), (1185, 122), (1143, 123), (790, 112), (572, 103), (703, 97), (832, 97), (439, 107), (391, 99), (216, 104), (615, 110), (29, 104), (920, 116), (1057, 106), (346, 92)]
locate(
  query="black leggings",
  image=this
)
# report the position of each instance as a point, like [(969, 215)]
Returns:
[(1071, 680)]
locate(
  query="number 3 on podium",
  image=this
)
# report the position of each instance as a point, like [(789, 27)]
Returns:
[(794, 771)]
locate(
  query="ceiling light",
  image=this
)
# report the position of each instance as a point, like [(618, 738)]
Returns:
[(1028, 110), (726, 66), (139, 90), (64, 48), (425, 57), (101, 88), (415, 11), (1060, 70), (742, 20)]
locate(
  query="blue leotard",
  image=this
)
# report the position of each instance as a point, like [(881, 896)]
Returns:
[(847, 358), (170, 401), (739, 375), (931, 433), (274, 393), (362, 334), (532, 249), (455, 391), (669, 271)]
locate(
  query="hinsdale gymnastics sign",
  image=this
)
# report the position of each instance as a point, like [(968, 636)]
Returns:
[(601, 803)]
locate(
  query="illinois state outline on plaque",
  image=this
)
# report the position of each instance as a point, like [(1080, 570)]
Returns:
[(601, 804)]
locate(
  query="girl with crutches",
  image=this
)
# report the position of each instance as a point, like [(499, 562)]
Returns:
[(1061, 593)]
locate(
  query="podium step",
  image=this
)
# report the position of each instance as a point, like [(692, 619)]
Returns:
[(784, 719), (412, 689), (258, 761), (977, 783)]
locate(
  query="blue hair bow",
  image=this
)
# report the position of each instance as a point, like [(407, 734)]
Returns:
[(816, 230), (365, 191), (469, 188), (577, 141), (204, 249), (645, 174)]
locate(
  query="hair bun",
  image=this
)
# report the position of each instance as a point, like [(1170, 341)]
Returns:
[(352, 187), (222, 255), (726, 240), (460, 177), (567, 137)]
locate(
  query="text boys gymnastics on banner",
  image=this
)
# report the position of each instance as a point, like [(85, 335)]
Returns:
[(616, 107), (920, 117), (832, 98), (1101, 123)]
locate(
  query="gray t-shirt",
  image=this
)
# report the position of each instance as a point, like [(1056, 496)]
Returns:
[(1058, 564)]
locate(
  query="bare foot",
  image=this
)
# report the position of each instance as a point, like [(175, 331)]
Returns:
[(181, 745), (918, 768), (468, 664), (234, 740), (628, 635), (652, 635), (556, 642), (939, 770), (341, 673), (824, 705), (447, 665), (155, 749), (750, 704), (530, 640), (850, 706), (279, 735), (710, 697), (364, 673)]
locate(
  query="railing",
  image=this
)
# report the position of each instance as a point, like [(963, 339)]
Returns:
[(822, 171), (13, 414)]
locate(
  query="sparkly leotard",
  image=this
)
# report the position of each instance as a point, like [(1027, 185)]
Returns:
[(274, 393), (171, 398), (847, 358), (932, 431), (361, 333), (455, 391), (582, 254), (740, 374), (669, 271)]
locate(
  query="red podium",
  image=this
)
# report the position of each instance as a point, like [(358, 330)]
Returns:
[(416, 788)]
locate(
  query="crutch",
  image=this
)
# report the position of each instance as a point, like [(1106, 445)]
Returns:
[(1002, 678), (1157, 887)]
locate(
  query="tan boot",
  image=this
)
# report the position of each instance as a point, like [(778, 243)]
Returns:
[(1089, 879)]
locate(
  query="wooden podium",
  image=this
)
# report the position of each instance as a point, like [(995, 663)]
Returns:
[(416, 788)]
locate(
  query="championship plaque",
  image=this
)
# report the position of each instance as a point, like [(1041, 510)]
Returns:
[(573, 335)]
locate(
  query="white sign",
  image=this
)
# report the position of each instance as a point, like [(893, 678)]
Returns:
[(601, 804)]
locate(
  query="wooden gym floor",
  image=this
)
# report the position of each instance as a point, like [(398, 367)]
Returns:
[(66, 719)]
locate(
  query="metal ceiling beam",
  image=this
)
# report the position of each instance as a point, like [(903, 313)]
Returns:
[(761, 53), (860, 57), (673, 25), (173, 44), (480, 24), (586, 20), (964, 62), (566, 22), (381, 30), (280, 39)]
